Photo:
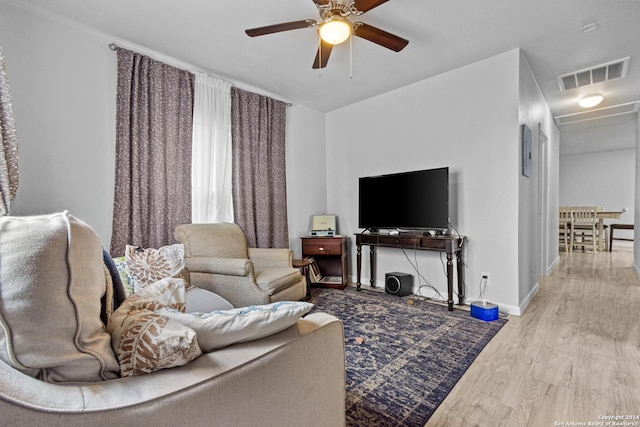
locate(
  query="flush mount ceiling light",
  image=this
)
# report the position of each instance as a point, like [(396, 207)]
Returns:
[(336, 30), (590, 100)]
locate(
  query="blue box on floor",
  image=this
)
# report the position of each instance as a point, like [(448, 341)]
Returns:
[(484, 311)]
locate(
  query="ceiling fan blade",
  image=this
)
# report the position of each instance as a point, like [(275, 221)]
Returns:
[(325, 48), (378, 36), (322, 2), (365, 5), (285, 26)]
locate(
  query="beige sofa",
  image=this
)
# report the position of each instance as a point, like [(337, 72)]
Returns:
[(294, 377)]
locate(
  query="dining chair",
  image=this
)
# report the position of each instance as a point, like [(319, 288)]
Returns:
[(564, 225), (584, 227), (602, 229)]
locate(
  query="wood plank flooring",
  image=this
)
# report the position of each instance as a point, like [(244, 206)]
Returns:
[(572, 357)]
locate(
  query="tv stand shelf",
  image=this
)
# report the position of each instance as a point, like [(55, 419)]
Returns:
[(408, 240)]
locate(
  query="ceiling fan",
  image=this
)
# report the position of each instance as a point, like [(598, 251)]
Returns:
[(336, 27)]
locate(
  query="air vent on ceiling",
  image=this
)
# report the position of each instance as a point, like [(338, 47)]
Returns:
[(600, 73), (600, 113)]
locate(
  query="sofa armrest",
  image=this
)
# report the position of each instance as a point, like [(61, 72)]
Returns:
[(217, 388), (271, 257), (227, 266)]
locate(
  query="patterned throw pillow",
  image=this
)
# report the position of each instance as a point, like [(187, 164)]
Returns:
[(145, 341), (221, 328), (126, 277), (147, 266)]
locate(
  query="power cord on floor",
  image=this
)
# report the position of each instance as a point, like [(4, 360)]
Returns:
[(421, 277)]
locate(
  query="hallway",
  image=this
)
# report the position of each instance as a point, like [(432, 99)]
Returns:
[(573, 356)]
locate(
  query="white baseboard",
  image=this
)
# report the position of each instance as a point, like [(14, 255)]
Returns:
[(504, 308), (553, 265)]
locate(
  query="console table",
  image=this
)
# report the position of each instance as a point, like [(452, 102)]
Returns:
[(449, 244)]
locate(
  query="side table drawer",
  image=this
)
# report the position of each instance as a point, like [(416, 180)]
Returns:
[(320, 246), (368, 239)]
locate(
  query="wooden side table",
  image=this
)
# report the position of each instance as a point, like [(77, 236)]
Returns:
[(330, 253), (304, 264)]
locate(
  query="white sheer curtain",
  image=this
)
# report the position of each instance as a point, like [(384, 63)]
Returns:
[(212, 199)]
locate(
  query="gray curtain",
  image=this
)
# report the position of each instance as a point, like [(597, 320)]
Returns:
[(153, 152), (259, 175), (8, 145)]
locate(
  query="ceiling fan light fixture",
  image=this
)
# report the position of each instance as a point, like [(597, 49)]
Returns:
[(590, 100), (336, 30)]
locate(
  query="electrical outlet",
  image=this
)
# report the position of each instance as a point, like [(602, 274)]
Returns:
[(487, 278)]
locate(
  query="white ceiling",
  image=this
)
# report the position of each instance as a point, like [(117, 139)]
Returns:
[(443, 35)]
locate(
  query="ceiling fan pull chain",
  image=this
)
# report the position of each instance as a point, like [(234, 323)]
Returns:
[(319, 56), (351, 56)]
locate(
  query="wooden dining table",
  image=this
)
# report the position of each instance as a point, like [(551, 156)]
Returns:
[(602, 215)]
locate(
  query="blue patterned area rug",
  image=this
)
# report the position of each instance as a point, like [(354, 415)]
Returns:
[(410, 358)]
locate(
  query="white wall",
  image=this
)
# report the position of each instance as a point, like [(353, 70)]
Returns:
[(306, 171), (63, 85), (606, 178), (466, 119), (536, 220)]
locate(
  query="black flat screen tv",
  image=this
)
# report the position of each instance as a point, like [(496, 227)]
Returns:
[(417, 200)]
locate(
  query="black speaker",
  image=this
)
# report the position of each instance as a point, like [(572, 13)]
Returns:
[(399, 284)]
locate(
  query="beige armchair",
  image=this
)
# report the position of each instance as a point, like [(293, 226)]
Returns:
[(218, 259)]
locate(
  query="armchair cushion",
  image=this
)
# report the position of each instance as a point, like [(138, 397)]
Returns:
[(221, 328), (229, 266), (52, 281), (273, 280)]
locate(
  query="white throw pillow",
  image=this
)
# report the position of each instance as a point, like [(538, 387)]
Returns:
[(221, 328)]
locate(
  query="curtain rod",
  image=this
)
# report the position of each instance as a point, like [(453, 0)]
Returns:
[(114, 47)]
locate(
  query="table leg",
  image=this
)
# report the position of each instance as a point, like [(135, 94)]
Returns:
[(305, 270), (450, 280), (372, 264), (460, 265), (303, 265), (358, 265)]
